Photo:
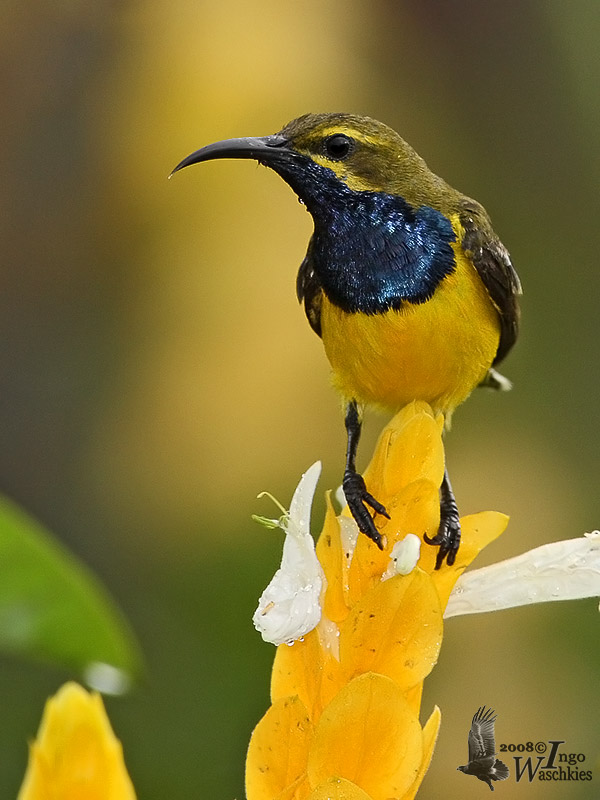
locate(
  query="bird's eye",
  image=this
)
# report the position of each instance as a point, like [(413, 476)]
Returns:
[(338, 146)]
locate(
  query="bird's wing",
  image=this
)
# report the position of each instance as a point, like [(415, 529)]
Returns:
[(476, 749), (492, 261), (308, 289), (482, 743)]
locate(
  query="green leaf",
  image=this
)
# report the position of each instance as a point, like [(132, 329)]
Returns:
[(53, 609)]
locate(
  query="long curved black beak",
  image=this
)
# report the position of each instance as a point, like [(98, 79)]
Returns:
[(266, 149)]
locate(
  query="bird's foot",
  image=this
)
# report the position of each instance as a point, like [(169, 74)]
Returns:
[(358, 498), (448, 536)]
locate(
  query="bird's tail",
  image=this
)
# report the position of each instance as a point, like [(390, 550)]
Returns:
[(494, 380), (500, 771)]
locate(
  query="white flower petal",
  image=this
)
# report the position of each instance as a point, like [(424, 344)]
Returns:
[(107, 679), (329, 637), (405, 554), (567, 570), (303, 497), (289, 607), (349, 534), (340, 497)]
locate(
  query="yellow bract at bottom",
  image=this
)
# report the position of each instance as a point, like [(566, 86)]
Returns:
[(369, 735), (76, 755), (338, 789), (344, 724)]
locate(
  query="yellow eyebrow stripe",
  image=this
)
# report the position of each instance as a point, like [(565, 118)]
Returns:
[(347, 131)]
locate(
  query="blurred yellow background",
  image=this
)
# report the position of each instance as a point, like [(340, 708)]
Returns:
[(157, 372)]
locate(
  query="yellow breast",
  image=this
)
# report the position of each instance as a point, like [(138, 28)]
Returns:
[(436, 351)]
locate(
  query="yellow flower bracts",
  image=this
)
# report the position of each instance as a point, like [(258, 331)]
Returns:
[(344, 720), (76, 755)]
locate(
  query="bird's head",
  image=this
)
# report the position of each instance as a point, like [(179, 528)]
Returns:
[(321, 156)]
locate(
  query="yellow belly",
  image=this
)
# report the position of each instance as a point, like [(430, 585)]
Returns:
[(436, 351)]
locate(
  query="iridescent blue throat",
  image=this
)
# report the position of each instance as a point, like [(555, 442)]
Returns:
[(372, 251)]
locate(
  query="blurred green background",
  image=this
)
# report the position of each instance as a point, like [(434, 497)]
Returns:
[(156, 371)]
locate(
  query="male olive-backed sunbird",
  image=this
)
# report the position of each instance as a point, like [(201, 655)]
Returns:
[(405, 281)]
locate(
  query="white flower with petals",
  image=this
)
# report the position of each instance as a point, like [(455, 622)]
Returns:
[(566, 570), (405, 554), (289, 608)]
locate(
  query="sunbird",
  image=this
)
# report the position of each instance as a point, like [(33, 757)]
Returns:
[(404, 280)]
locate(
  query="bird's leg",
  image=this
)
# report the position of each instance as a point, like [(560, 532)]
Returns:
[(353, 484), (448, 535)]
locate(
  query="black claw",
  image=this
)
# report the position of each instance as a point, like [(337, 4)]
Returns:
[(375, 505), (358, 498), (448, 536)]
